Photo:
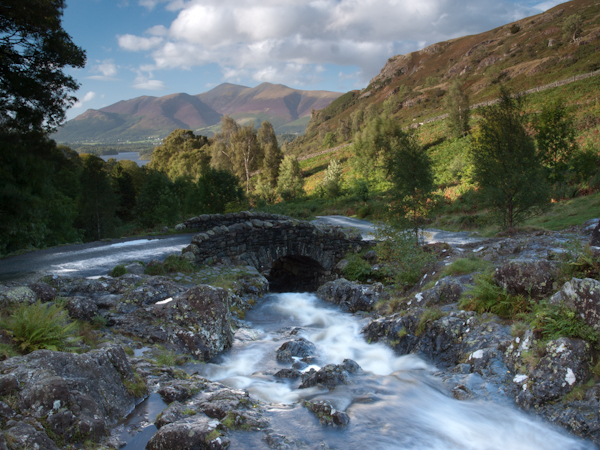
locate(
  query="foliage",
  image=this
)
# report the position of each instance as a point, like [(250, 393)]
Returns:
[(137, 386), (580, 262), (464, 266), (38, 186), (40, 326), (333, 178), (554, 321), (34, 90), (97, 204), (166, 358), (214, 190), (555, 135), (457, 106), (357, 268), (408, 262), (272, 154), (117, 271), (487, 296), (429, 315), (410, 171), (290, 183), (372, 148), (181, 154), (157, 204), (505, 164), (171, 264), (329, 140), (572, 26)]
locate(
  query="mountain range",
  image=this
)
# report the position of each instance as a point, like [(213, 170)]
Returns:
[(152, 118)]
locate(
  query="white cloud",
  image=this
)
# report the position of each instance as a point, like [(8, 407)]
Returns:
[(275, 39), (136, 43), (145, 83), (86, 98)]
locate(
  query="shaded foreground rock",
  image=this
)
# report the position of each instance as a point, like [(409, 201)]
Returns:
[(78, 396), (535, 278), (330, 375), (197, 432), (300, 348), (326, 413)]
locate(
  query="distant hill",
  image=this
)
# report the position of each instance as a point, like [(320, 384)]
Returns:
[(150, 118), (527, 54)]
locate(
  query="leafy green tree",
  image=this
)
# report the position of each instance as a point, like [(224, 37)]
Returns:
[(221, 149), (572, 26), (505, 164), (333, 179), (125, 191), (372, 148), (247, 153), (411, 173), (158, 203), (97, 201), (35, 50), (215, 190), (181, 153), (329, 140), (555, 135), (457, 105), (290, 184), (272, 154)]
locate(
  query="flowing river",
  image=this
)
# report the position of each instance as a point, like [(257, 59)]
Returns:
[(394, 402)]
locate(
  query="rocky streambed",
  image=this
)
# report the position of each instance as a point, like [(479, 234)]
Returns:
[(182, 364)]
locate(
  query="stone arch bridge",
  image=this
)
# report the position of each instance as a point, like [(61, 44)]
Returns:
[(294, 255)]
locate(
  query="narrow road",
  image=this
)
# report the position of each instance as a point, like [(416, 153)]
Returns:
[(92, 259)]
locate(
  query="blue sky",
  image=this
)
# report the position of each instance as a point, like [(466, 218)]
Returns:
[(160, 47)]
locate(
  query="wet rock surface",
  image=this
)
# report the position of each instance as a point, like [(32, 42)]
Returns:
[(351, 296)]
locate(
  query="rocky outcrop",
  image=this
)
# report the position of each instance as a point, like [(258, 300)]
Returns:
[(327, 414), (76, 396), (582, 296), (300, 348), (196, 432), (351, 296), (528, 277), (330, 375), (595, 239)]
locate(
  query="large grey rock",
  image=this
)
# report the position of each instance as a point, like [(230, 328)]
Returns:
[(82, 308), (330, 375), (595, 239), (326, 413), (44, 291), (447, 290), (198, 432), (24, 436), (201, 320), (351, 296), (20, 294), (582, 296), (566, 365), (300, 348), (79, 396), (527, 277)]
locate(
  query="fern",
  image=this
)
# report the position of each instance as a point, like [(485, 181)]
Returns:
[(40, 326)]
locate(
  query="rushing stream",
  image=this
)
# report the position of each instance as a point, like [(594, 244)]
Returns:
[(393, 403)]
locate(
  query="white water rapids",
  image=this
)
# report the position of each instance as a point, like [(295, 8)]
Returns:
[(395, 402)]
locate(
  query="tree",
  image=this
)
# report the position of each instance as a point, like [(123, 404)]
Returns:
[(457, 105), (555, 135), (290, 184), (221, 150), (505, 163), (333, 178), (272, 154), (215, 189), (329, 140), (34, 51), (247, 153), (372, 147), (182, 153), (158, 203), (572, 26), (97, 202), (411, 173)]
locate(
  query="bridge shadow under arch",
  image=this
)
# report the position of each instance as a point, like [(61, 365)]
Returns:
[(295, 273)]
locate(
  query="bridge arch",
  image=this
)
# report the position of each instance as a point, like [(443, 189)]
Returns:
[(294, 255)]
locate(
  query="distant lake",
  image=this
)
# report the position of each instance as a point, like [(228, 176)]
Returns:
[(132, 156)]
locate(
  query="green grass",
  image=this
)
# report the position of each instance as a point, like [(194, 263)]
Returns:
[(566, 213), (464, 266), (117, 271), (171, 264), (429, 315), (554, 321)]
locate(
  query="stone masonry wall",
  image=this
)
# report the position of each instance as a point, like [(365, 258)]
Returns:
[(262, 242), (209, 221)]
